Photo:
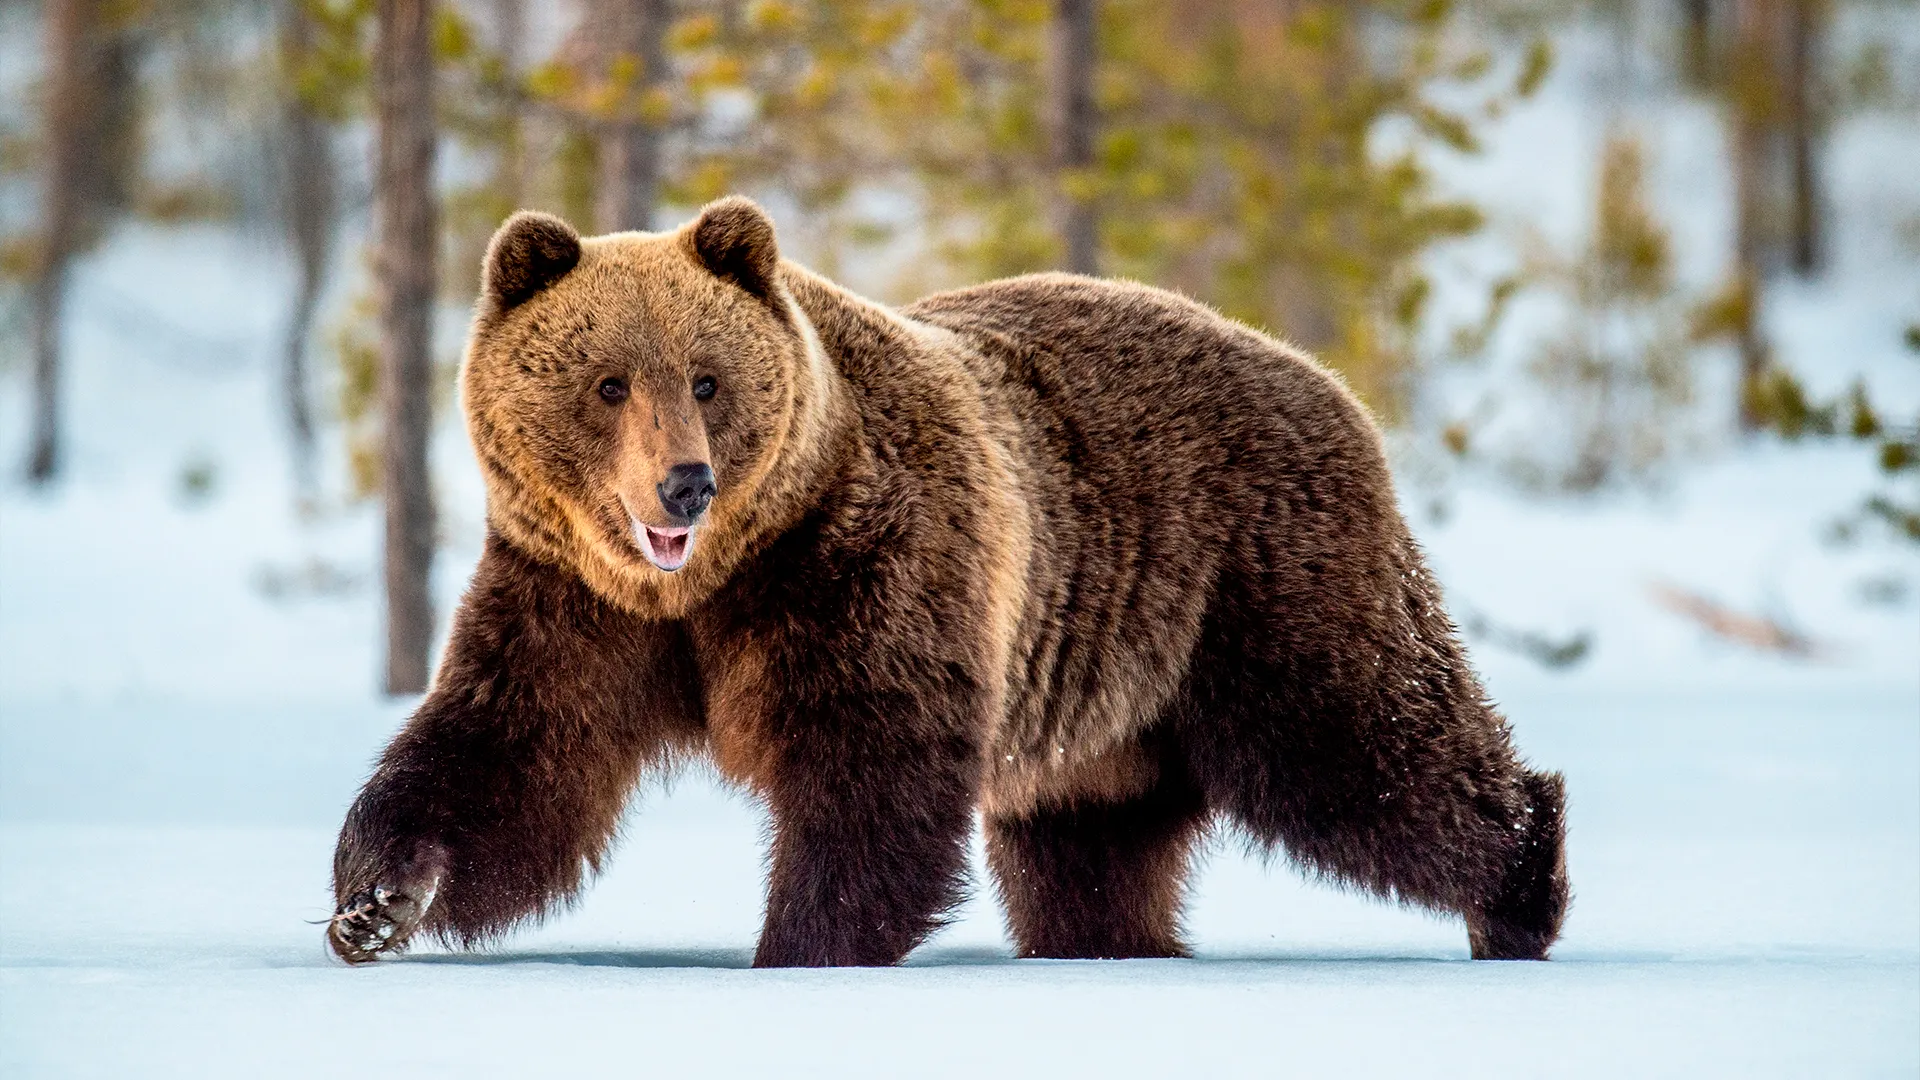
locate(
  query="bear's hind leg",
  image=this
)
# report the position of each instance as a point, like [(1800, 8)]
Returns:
[(1397, 778), (1098, 880)]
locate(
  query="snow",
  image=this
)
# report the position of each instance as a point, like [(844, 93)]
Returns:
[(177, 747)]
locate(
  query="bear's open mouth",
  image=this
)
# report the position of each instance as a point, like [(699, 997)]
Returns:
[(665, 548)]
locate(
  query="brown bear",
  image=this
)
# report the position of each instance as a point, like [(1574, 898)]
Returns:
[(1081, 556)]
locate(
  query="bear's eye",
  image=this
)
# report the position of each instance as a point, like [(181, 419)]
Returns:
[(613, 391), (704, 388)]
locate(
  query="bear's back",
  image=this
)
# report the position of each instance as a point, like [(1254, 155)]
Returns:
[(1120, 346), (1132, 401)]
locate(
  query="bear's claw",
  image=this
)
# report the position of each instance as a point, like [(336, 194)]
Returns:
[(374, 921)]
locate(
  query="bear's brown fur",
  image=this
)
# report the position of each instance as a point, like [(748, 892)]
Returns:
[(1081, 555)]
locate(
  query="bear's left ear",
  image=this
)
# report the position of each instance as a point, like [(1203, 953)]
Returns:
[(733, 238)]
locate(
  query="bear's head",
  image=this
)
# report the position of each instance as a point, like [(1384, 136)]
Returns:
[(646, 407)]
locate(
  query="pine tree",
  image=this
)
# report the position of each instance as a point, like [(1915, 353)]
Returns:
[(407, 215), (1073, 127), (73, 30), (631, 38), (310, 206)]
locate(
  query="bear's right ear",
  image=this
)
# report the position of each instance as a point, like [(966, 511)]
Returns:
[(733, 237), (530, 252)]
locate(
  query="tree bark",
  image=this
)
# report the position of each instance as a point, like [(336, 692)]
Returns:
[(1074, 122), (311, 207), (510, 28), (1696, 40), (1751, 93), (635, 32), (406, 214), (1803, 59), (71, 27)]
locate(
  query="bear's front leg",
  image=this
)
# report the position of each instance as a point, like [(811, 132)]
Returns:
[(500, 794), (872, 804)]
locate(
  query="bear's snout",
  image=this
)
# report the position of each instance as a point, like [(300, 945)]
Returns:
[(686, 491)]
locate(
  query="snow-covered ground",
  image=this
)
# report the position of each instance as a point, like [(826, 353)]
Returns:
[(1747, 867), (177, 744)]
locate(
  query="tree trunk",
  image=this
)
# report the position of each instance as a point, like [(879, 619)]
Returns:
[(1751, 92), (406, 215), (635, 33), (1074, 121), (71, 28), (1696, 41), (311, 207), (510, 29), (1803, 74)]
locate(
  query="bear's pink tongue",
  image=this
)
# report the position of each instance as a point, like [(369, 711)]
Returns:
[(665, 548)]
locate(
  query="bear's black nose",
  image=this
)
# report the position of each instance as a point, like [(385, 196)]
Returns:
[(687, 491)]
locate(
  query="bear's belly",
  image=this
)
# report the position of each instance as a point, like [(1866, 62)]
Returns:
[(1100, 761), (1087, 679), (1018, 784)]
